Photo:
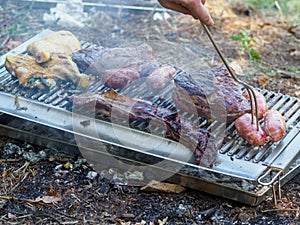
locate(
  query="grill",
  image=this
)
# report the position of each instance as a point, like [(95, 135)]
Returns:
[(243, 173)]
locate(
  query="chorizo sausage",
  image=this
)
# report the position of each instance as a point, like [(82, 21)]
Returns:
[(274, 125), (261, 103), (248, 130)]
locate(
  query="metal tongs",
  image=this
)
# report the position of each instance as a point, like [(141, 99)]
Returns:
[(253, 100)]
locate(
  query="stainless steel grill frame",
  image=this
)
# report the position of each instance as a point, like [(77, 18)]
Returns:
[(261, 169)]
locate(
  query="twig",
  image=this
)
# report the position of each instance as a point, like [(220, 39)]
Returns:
[(21, 169), (5, 41), (9, 160), (24, 216), (66, 215), (24, 167), (17, 185), (287, 74), (276, 210), (280, 10), (48, 216), (70, 222), (6, 197)]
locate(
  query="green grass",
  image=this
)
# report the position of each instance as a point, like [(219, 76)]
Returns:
[(290, 9), (14, 21), (263, 4)]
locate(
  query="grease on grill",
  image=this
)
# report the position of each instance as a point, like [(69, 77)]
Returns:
[(17, 104), (85, 123)]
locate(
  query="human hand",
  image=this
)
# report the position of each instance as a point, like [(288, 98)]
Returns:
[(194, 8)]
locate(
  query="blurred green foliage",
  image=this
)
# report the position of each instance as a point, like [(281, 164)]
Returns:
[(289, 8), (245, 39)]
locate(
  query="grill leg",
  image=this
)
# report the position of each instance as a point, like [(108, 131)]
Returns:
[(274, 191)]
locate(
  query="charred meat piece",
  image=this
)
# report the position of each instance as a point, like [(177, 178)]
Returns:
[(209, 93), (95, 61), (117, 108), (120, 66), (32, 74), (116, 67), (86, 59)]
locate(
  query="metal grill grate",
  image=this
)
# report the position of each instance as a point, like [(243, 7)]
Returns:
[(234, 148)]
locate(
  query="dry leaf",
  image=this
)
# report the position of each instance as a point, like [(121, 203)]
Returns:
[(67, 165), (126, 223), (122, 222), (143, 222), (156, 186), (263, 81), (47, 199), (128, 215), (162, 222), (54, 193), (295, 53), (4, 174)]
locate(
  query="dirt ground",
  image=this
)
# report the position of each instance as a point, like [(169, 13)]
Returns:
[(40, 187)]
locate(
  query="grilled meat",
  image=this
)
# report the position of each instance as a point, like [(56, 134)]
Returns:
[(209, 93), (123, 110), (161, 76), (31, 74), (248, 130), (261, 103), (147, 68), (157, 77), (118, 67), (60, 42), (49, 60), (274, 125), (96, 60), (119, 78), (212, 89)]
